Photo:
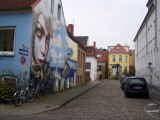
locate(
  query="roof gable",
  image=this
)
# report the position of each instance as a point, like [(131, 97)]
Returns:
[(120, 50), (17, 4), (82, 39)]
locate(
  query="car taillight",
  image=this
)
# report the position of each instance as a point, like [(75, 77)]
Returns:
[(146, 88), (128, 87)]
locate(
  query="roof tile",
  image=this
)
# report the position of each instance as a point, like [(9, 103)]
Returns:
[(121, 50), (17, 4)]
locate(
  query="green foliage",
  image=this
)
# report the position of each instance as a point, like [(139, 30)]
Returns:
[(125, 72), (104, 73), (7, 71), (6, 92)]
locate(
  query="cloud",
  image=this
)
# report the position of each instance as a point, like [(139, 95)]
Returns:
[(56, 42)]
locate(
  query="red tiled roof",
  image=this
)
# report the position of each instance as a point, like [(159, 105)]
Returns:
[(17, 4), (121, 50), (103, 55)]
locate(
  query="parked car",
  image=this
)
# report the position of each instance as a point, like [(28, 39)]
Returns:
[(123, 82), (122, 78), (136, 86)]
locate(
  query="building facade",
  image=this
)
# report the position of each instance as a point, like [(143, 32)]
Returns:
[(79, 52), (91, 62), (118, 60), (102, 63), (147, 45), (34, 40), (132, 62)]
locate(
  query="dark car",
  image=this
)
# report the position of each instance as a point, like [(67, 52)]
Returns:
[(136, 86), (122, 78), (123, 82)]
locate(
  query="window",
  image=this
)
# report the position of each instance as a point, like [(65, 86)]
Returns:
[(59, 12), (130, 54), (88, 65), (120, 58), (114, 58), (126, 58), (99, 68), (126, 69), (98, 55), (7, 41), (118, 47), (120, 69), (79, 58), (52, 6)]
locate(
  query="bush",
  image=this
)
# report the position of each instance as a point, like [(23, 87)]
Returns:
[(6, 92)]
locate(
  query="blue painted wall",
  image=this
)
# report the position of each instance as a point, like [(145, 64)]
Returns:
[(46, 38), (23, 34)]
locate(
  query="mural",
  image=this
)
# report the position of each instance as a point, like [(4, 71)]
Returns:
[(51, 68)]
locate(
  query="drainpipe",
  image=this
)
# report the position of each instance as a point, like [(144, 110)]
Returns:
[(146, 40), (155, 3)]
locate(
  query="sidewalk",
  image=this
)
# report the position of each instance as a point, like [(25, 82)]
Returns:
[(155, 95), (47, 103)]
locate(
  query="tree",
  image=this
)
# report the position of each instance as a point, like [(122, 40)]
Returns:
[(117, 66)]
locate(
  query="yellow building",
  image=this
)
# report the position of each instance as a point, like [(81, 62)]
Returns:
[(118, 60)]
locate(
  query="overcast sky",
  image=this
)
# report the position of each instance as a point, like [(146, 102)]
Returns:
[(108, 22)]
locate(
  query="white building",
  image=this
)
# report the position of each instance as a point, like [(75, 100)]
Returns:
[(93, 67), (91, 62), (147, 45)]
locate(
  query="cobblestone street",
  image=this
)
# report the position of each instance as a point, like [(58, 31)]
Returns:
[(104, 102)]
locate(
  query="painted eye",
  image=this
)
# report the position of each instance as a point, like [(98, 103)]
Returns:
[(39, 32)]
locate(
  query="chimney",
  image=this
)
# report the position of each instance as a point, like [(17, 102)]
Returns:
[(70, 28), (94, 44)]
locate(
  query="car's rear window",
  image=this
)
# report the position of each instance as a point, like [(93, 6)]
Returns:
[(137, 81)]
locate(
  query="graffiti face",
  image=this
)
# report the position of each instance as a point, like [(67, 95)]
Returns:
[(41, 41)]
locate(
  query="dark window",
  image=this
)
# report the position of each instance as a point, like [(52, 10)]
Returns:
[(6, 40), (59, 12), (137, 81), (99, 68), (130, 54), (114, 58), (88, 65)]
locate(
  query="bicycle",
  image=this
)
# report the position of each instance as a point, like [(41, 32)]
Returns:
[(22, 95)]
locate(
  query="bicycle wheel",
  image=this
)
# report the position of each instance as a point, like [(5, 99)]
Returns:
[(17, 99), (29, 97)]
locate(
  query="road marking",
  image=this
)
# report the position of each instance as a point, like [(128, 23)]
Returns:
[(152, 104), (150, 111)]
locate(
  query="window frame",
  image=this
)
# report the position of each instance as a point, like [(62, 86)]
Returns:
[(126, 68), (121, 58), (9, 53), (98, 55), (126, 58), (52, 7), (113, 58), (120, 69), (59, 10)]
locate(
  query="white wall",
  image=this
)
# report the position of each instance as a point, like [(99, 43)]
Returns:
[(145, 50), (93, 72)]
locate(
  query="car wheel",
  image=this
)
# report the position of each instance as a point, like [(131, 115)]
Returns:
[(147, 96), (126, 95)]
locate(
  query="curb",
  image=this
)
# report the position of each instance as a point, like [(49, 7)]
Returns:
[(63, 104), (155, 101)]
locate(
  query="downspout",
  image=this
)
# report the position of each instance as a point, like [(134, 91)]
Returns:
[(146, 39), (155, 3)]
